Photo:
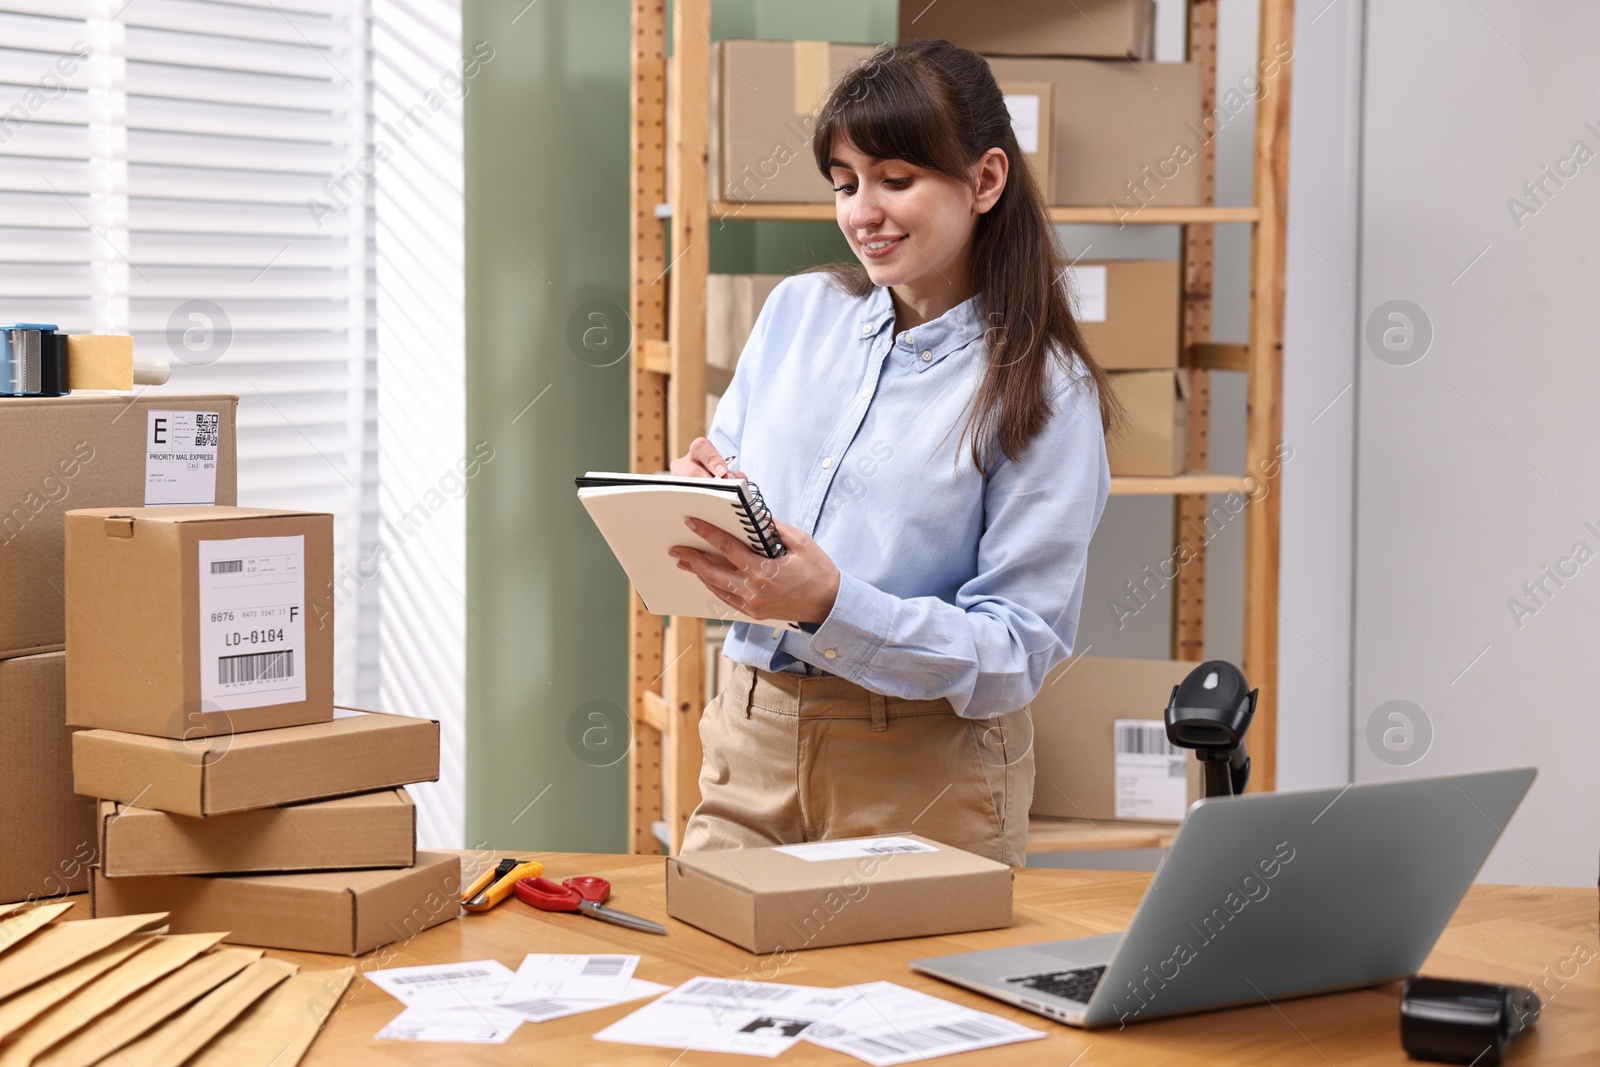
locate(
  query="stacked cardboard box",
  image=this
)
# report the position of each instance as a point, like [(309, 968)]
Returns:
[(200, 673), (66, 452)]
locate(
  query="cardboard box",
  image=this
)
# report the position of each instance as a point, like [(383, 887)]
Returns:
[(764, 99), (851, 891), (346, 913), (1032, 108), (48, 831), (1084, 769), (89, 452), (358, 752), (1155, 441), (347, 833), (1130, 311), (1112, 29), (1127, 135), (732, 303), (191, 622)]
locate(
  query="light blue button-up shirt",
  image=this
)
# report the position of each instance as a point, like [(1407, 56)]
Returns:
[(952, 584)]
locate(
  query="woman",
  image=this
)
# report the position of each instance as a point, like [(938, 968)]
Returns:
[(929, 426)]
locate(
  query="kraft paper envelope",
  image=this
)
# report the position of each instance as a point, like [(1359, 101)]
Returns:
[(23, 1008), (15, 928), (279, 1027), (174, 1041), (148, 1008), (58, 947), (99, 996)]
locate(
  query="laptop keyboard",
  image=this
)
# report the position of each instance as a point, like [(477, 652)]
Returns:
[(1076, 985)]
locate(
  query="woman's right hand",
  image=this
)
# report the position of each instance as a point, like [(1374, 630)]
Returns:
[(703, 461)]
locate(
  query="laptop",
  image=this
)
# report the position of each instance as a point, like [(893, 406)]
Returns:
[(1268, 896)]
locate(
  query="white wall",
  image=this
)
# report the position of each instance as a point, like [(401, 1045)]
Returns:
[(1476, 463)]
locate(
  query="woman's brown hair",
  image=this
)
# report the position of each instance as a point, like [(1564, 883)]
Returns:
[(937, 106)]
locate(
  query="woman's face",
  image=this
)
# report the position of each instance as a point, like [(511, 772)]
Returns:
[(911, 227)]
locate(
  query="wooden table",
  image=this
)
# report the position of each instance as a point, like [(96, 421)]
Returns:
[(1512, 934)]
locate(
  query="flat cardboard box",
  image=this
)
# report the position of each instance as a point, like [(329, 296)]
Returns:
[(1130, 311), (1110, 29), (84, 452), (345, 913), (764, 100), (1155, 441), (765, 900), (189, 622), (1128, 135), (1075, 742), (48, 830), (732, 303), (357, 752), (346, 833)]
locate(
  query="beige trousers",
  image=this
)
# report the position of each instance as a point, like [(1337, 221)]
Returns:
[(792, 758)]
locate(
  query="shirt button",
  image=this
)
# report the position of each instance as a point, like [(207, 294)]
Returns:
[(866, 328), (831, 653), (827, 461), (866, 394), (926, 355)]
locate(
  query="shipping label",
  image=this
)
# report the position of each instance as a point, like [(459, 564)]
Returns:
[(180, 457), (252, 621)]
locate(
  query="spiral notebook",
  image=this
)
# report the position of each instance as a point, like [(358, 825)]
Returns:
[(641, 517)]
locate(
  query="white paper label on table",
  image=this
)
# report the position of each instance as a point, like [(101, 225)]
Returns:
[(727, 1015), (252, 622), (444, 985), (1024, 109), (544, 1009), (593, 977), (1088, 289), (813, 851), (474, 1026), (180, 457), (888, 1024), (1151, 777)]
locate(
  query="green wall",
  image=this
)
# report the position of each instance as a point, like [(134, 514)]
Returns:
[(546, 237)]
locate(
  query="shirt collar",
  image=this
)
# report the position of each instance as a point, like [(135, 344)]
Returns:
[(925, 345)]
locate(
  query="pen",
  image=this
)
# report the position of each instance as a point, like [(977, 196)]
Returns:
[(728, 462)]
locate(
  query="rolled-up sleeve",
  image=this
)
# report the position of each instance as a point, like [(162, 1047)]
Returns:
[(989, 652)]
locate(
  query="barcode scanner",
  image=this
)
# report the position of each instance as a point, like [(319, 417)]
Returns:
[(1210, 711), (1449, 1021)]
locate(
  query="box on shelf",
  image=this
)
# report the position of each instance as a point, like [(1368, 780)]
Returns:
[(1112, 29), (48, 830), (88, 452), (1100, 747), (346, 913), (732, 303), (358, 752), (764, 99), (198, 621), (790, 897), (1127, 135), (346, 833), (1155, 441), (1130, 311)]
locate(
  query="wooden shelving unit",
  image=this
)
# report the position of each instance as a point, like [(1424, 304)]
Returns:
[(667, 681)]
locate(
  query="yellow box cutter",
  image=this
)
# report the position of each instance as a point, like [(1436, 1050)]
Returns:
[(495, 884)]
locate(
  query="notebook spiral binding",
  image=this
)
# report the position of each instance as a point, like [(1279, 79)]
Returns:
[(763, 533)]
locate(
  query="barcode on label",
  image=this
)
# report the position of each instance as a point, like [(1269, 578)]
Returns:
[(438, 976), (737, 990), (255, 667), (205, 430), (927, 1038), (1144, 739), (878, 849), (227, 566), (605, 966)]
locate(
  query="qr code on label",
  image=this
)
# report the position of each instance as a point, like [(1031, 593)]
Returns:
[(205, 429)]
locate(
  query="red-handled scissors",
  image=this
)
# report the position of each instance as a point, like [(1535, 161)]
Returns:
[(583, 894)]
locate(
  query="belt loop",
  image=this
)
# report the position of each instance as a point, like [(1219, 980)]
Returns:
[(750, 697), (880, 711)]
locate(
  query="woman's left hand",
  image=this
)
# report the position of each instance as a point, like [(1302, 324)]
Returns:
[(799, 586)]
